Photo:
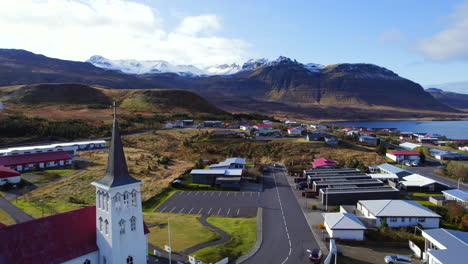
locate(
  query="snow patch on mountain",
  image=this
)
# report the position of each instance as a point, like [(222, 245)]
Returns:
[(223, 69)]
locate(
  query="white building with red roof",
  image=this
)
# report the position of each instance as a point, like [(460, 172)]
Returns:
[(403, 156), (26, 162), (8, 175), (296, 130), (112, 232)]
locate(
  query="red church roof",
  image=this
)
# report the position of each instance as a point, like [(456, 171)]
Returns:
[(15, 160), (7, 172), (405, 153)]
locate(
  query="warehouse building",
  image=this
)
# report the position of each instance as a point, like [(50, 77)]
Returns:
[(210, 177), (317, 185), (351, 195)]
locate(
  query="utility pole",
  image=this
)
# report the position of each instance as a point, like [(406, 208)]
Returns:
[(326, 200), (169, 238), (459, 180)]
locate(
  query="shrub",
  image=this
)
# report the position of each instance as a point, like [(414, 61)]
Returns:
[(320, 226), (313, 207)]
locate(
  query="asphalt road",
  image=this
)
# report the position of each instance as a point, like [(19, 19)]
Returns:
[(17, 214), (429, 173), (286, 234)]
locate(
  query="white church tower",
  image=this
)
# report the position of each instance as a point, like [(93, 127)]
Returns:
[(119, 218)]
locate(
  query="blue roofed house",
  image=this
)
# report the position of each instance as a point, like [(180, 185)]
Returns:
[(230, 163), (445, 246), (368, 140), (458, 195)]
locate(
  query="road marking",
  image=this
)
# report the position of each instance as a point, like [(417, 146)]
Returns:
[(181, 210), (163, 209), (212, 193), (243, 194), (219, 211), (190, 210), (227, 194), (201, 209), (209, 210), (251, 194), (196, 193), (284, 219), (235, 194), (228, 211), (204, 193), (238, 211), (172, 210), (258, 194), (189, 193)]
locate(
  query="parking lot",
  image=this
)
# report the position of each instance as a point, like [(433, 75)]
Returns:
[(232, 204)]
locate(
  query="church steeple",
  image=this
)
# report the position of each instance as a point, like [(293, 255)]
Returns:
[(117, 171)]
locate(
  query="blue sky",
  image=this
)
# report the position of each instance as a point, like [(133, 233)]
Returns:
[(422, 40)]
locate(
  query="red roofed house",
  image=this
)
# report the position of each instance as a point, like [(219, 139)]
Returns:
[(323, 163), (403, 156), (25, 162), (9, 175), (112, 232), (296, 130)]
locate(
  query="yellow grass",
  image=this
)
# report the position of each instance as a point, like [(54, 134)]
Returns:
[(5, 218)]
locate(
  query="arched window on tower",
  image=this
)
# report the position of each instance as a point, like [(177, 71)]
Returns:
[(118, 201), (129, 260), (100, 223), (133, 223), (87, 261), (122, 226), (107, 202), (134, 198), (98, 198), (106, 227), (104, 260), (126, 199)]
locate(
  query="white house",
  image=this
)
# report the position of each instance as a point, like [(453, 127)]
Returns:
[(246, 127), (295, 130), (343, 226), (70, 147), (388, 172), (318, 126), (403, 156), (111, 232), (9, 176), (458, 195), (445, 246), (397, 213), (230, 163), (290, 123), (409, 145), (416, 182), (464, 148)]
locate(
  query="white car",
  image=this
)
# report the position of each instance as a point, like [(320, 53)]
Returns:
[(396, 259)]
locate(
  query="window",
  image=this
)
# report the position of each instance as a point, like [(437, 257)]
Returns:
[(98, 196), (133, 223), (87, 261), (129, 260), (118, 201), (104, 260), (100, 223), (126, 199), (402, 219), (134, 198), (122, 226), (421, 220), (106, 227), (393, 219), (107, 202)]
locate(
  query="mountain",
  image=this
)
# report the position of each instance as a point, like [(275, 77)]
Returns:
[(455, 100), (24, 67), (279, 86)]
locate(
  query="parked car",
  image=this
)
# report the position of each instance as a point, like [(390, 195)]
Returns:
[(397, 259), (301, 185), (315, 255), (278, 165)]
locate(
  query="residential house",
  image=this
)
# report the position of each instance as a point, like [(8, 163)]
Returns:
[(246, 127), (296, 130), (416, 182), (398, 213), (464, 148), (268, 133), (343, 226), (8, 175), (217, 177), (403, 156), (352, 132), (427, 139), (324, 163), (213, 123), (388, 172), (445, 246), (318, 126), (27, 162), (290, 123), (267, 122), (263, 126), (409, 145), (460, 196), (331, 140), (407, 136), (368, 140), (230, 163)]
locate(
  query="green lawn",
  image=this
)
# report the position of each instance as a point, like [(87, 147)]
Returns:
[(186, 230), (48, 175), (152, 204), (243, 233), (61, 173), (6, 218), (39, 209)]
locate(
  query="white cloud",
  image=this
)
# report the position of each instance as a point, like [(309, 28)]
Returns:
[(117, 29), (450, 43), (392, 36)]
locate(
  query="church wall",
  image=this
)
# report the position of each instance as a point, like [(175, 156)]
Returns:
[(93, 256)]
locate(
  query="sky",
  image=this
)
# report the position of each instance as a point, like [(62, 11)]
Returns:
[(422, 40)]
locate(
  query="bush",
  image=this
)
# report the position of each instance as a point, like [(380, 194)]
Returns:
[(320, 226), (313, 207)]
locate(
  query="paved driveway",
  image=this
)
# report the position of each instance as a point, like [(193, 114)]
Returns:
[(232, 204)]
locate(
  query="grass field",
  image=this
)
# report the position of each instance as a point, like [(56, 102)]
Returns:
[(61, 173), (6, 218), (46, 176), (186, 230), (243, 233)]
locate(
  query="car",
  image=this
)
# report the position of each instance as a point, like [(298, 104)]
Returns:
[(315, 255), (397, 259), (278, 165)]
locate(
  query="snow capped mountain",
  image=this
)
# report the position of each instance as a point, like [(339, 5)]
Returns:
[(142, 67), (161, 66)]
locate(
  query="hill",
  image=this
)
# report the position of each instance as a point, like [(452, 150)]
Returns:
[(455, 100), (69, 100)]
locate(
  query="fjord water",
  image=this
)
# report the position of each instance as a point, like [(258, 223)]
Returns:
[(450, 129)]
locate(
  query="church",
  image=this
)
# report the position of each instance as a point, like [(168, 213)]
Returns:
[(112, 232)]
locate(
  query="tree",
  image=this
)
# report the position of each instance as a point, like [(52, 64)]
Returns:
[(199, 164), (422, 156), (381, 149)]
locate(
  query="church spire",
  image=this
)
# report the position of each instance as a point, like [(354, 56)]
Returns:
[(117, 171)]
